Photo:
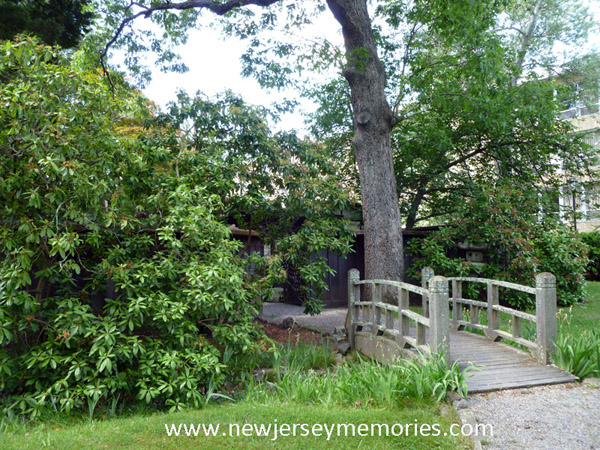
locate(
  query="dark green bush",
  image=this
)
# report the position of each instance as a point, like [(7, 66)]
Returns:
[(120, 281), (592, 240), (519, 246)]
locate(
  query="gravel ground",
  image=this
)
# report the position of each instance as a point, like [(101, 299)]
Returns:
[(559, 417), (326, 321)]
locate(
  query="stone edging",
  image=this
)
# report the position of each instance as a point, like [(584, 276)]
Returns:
[(465, 415)]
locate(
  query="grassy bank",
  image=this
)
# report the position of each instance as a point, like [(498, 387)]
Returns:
[(583, 316), (147, 431), (578, 343), (302, 388)]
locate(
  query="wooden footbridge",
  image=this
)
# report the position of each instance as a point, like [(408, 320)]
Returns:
[(468, 331)]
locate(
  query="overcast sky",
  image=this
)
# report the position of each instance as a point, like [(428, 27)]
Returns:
[(214, 66)]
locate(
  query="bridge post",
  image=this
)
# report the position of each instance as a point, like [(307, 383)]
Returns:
[(353, 297), (493, 299), (439, 321), (545, 311), (426, 275), (456, 306)]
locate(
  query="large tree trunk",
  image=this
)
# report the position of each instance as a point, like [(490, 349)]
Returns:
[(373, 120)]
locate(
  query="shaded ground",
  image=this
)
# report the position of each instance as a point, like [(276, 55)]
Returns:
[(325, 322), (285, 335)]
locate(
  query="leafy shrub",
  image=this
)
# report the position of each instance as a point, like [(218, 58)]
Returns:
[(592, 241), (120, 281), (519, 247), (88, 204), (284, 188)]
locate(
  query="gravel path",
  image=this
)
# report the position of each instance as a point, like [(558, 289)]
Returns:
[(559, 417)]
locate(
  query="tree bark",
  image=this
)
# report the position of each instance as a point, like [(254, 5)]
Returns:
[(535, 14), (373, 120)]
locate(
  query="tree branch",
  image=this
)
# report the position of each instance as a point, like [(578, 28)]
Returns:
[(216, 7), (526, 40), (405, 59)]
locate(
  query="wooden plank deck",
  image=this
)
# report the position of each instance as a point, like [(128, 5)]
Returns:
[(501, 366)]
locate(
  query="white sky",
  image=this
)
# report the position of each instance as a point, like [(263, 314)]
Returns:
[(214, 63), (214, 66)]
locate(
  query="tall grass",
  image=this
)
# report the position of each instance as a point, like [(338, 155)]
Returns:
[(365, 382), (302, 357), (577, 352)]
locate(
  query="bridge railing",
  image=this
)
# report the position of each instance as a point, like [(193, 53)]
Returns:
[(389, 323), (544, 318)]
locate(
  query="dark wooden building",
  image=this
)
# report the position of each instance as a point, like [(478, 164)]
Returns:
[(337, 295)]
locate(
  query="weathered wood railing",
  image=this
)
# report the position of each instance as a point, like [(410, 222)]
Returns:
[(544, 318), (388, 335)]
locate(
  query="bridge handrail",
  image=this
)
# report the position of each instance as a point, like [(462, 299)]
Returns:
[(505, 284), (544, 318), (399, 284), (418, 318), (504, 309), (368, 314)]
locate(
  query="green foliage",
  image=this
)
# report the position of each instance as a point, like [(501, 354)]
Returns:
[(283, 188), (121, 281), (90, 206), (434, 378), (56, 22), (577, 352), (579, 355), (568, 22), (592, 241), (301, 357), (464, 122), (365, 382), (292, 358), (472, 125), (519, 247)]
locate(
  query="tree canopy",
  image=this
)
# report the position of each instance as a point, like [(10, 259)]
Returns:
[(61, 22), (464, 121)]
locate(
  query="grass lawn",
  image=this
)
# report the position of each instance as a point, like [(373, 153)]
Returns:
[(586, 315), (582, 316), (147, 431)]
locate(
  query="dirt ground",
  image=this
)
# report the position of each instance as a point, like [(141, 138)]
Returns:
[(285, 335)]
